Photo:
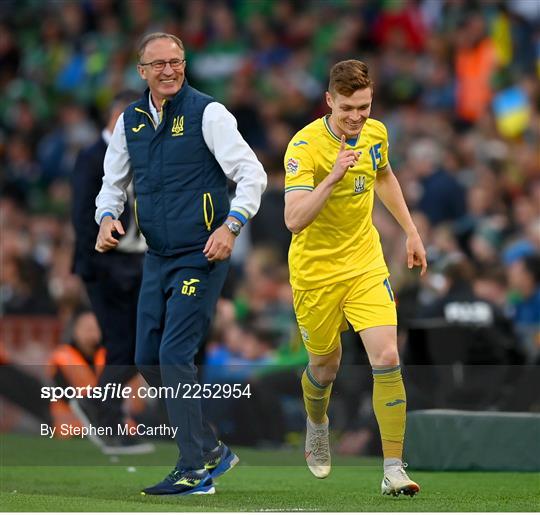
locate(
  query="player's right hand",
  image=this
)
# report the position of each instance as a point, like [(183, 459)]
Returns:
[(345, 160), (105, 239)]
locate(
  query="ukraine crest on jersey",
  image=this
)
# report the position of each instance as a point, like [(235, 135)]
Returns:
[(342, 241)]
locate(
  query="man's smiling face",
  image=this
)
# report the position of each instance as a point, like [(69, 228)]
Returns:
[(349, 114), (168, 81)]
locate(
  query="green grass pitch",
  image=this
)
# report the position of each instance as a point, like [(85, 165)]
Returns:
[(49, 475)]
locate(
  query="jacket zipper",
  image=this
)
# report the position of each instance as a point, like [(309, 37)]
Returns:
[(136, 214), (147, 114), (207, 198)]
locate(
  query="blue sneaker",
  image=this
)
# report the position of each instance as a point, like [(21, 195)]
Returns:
[(183, 482), (220, 460)]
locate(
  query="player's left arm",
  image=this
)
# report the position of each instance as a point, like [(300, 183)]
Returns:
[(389, 191)]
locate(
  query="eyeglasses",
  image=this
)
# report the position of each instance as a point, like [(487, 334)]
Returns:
[(159, 65)]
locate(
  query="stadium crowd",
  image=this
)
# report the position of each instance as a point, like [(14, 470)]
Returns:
[(456, 85)]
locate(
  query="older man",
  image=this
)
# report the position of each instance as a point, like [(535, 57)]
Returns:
[(179, 146)]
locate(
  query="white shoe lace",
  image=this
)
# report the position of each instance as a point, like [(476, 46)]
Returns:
[(319, 445)]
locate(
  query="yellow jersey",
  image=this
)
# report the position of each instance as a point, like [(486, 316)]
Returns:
[(342, 241)]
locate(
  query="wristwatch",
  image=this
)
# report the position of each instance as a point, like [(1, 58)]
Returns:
[(234, 227)]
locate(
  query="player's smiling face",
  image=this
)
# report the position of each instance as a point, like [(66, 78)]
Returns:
[(167, 82), (349, 114)]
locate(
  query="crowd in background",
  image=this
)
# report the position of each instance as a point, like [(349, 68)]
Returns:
[(456, 84)]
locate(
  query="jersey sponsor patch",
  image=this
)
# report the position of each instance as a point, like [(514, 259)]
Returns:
[(293, 165)]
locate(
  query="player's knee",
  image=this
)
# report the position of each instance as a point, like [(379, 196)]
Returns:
[(325, 374), (387, 357)]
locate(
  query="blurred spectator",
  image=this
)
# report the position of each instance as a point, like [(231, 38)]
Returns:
[(10, 55), (261, 285), (401, 23), (59, 148), (441, 198), (476, 62), (22, 172), (77, 364), (237, 357), (491, 284), (242, 102), (524, 280), (223, 55), (19, 277)]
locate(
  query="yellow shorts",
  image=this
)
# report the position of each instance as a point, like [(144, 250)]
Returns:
[(365, 301)]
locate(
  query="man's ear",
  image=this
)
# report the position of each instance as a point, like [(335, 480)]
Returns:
[(142, 72), (329, 100)]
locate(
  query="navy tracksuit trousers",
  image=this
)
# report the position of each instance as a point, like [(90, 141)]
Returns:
[(176, 303)]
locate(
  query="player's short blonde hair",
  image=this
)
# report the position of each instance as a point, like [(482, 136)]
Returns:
[(157, 35), (348, 76)]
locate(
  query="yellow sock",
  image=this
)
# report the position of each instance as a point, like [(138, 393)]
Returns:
[(316, 397), (390, 406)]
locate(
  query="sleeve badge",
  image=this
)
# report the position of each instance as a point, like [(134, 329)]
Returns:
[(292, 166)]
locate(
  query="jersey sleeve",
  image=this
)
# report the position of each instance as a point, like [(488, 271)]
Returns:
[(383, 163), (299, 167)]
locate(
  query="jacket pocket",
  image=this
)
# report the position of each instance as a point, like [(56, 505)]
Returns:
[(208, 210)]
